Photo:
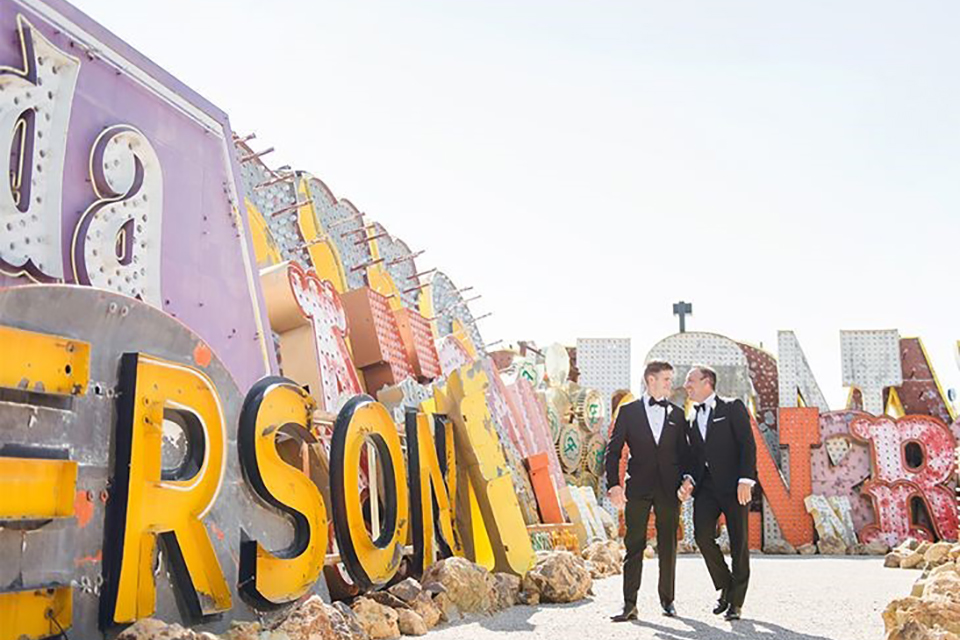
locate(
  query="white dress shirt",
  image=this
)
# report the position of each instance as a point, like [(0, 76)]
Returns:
[(704, 413), (656, 416)]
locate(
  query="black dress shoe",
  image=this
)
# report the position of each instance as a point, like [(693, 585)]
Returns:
[(722, 604), (627, 615), (733, 613), (669, 610)]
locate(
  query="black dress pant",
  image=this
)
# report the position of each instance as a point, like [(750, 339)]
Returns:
[(708, 504), (637, 515)]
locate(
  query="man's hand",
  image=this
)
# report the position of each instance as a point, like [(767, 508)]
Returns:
[(744, 493), (616, 497), (685, 490)]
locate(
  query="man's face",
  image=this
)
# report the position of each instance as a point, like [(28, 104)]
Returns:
[(697, 386), (659, 385)]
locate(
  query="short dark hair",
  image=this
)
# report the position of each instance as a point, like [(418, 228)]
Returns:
[(707, 372), (615, 399), (654, 367)]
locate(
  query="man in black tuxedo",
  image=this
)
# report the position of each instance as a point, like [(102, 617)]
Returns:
[(655, 430), (724, 473)]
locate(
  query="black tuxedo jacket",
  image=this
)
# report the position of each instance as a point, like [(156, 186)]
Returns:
[(652, 466), (729, 450)]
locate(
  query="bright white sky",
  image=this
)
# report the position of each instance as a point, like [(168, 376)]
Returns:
[(586, 164)]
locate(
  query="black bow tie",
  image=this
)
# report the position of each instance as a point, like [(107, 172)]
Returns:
[(663, 403), (702, 406)]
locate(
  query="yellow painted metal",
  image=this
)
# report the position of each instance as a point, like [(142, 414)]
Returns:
[(482, 546), (323, 253), (36, 489), (480, 451), (43, 362), (426, 308), (36, 613), (894, 407), (156, 506), (433, 486), (461, 334), (265, 247), (380, 563), (284, 579)]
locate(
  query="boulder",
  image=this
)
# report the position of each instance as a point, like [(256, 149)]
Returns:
[(559, 577), (923, 546), (937, 554), (448, 610), (506, 588), (411, 624), (807, 549), (831, 546), (650, 552), (310, 620), (604, 558), (244, 631), (468, 586), (387, 599), (912, 617), (858, 549), (427, 609), (153, 629), (379, 622), (955, 552), (779, 547), (408, 590), (346, 623), (912, 561), (893, 559), (531, 599), (686, 547), (942, 585)]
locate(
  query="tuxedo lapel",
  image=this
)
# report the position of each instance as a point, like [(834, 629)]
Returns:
[(645, 424), (716, 413)]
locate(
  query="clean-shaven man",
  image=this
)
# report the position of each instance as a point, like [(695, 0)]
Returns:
[(655, 430), (724, 473)]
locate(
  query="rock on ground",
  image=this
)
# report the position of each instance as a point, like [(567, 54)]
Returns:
[(153, 629), (506, 588), (377, 620), (410, 623), (603, 558), (468, 586), (559, 577)]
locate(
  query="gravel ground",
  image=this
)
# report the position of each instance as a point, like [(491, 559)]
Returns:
[(790, 598)]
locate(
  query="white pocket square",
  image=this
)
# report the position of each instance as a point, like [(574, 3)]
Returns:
[(720, 418)]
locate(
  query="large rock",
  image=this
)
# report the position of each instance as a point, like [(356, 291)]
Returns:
[(912, 561), (387, 599), (468, 586), (346, 623), (448, 610), (893, 559), (427, 609), (942, 585), (937, 554), (153, 629), (779, 547), (603, 558), (310, 620), (559, 577), (807, 549), (506, 588), (831, 546), (910, 618), (411, 624), (378, 621), (407, 590)]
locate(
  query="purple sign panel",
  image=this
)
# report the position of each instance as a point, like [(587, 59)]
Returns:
[(123, 179)]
